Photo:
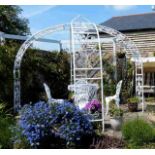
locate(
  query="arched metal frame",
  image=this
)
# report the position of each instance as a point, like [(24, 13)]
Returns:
[(84, 29)]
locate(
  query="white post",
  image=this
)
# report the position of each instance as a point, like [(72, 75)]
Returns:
[(101, 66), (60, 44), (2, 38), (114, 58), (73, 52)]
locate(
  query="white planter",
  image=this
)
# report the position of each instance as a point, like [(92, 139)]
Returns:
[(116, 123)]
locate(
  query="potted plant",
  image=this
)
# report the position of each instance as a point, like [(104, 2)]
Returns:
[(116, 118), (93, 106), (133, 104)]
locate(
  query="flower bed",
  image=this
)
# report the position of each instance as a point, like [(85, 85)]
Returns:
[(41, 122)]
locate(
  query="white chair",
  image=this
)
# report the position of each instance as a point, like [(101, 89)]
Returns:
[(49, 97), (115, 97), (83, 92)]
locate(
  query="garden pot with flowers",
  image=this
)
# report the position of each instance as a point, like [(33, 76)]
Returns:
[(133, 104), (116, 118), (94, 107)]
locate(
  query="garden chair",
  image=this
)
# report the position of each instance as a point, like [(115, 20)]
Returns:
[(115, 97), (49, 97), (83, 92)]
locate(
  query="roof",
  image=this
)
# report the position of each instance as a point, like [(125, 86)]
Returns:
[(132, 22)]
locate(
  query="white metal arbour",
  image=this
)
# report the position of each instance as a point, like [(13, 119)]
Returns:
[(86, 56)]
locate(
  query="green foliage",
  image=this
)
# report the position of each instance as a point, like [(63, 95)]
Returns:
[(108, 78), (2, 107), (121, 54), (137, 132), (37, 67), (5, 132), (127, 86), (7, 56), (133, 100), (19, 141), (40, 66), (116, 112), (11, 20), (3, 111), (6, 123), (150, 99), (148, 146)]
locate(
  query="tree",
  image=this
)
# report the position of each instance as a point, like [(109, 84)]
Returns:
[(11, 20)]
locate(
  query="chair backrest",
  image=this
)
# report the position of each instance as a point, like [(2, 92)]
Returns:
[(48, 91), (118, 88), (83, 92)]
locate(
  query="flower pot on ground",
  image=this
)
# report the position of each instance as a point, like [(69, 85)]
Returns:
[(133, 104), (116, 118)]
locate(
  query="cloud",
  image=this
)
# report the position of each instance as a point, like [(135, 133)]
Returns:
[(39, 11), (123, 7)]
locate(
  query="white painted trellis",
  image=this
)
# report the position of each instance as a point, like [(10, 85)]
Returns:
[(87, 47)]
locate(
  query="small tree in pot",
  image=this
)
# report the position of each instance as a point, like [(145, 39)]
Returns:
[(116, 118), (133, 104)]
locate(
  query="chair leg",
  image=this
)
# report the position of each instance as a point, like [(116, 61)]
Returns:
[(117, 103), (107, 106)]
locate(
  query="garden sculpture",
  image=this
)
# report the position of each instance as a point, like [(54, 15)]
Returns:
[(115, 97)]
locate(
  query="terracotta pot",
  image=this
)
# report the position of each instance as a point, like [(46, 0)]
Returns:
[(133, 107), (116, 123)]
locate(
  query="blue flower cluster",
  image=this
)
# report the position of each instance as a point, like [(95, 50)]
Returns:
[(35, 122), (73, 123), (63, 120)]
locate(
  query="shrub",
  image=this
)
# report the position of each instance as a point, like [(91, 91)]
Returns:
[(133, 100), (6, 123), (121, 54), (37, 67), (2, 107), (116, 112), (150, 99), (41, 122), (138, 132), (5, 132)]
